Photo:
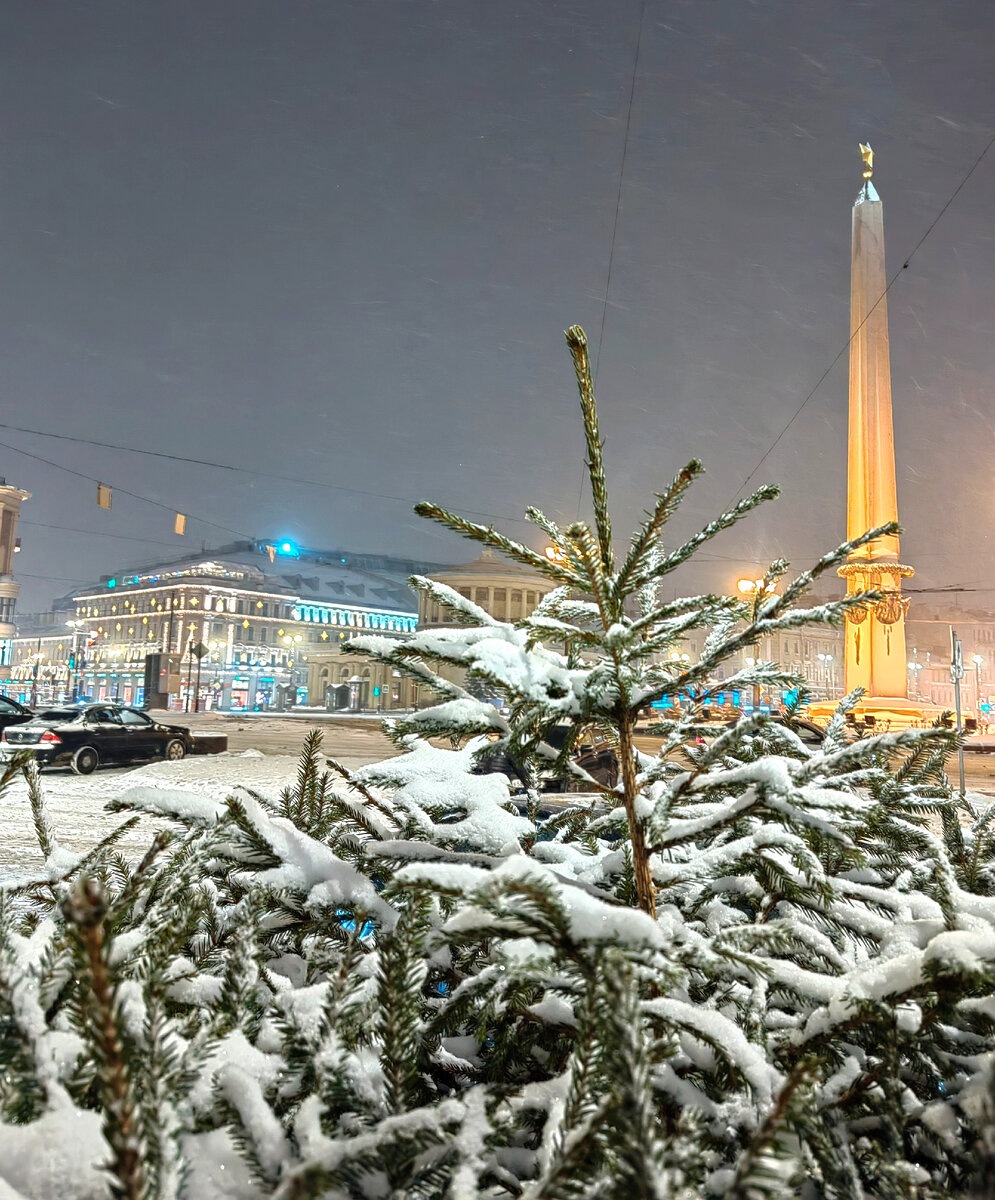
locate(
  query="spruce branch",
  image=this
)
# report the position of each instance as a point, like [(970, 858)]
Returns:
[(648, 535), (487, 534), (577, 341), (85, 910)]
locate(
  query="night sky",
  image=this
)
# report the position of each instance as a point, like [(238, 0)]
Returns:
[(340, 241)]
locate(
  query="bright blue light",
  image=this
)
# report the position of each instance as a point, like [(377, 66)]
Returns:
[(290, 548), (112, 583)]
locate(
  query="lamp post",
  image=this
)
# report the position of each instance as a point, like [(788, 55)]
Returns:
[(827, 669), (978, 663), (757, 588), (191, 628), (291, 640), (74, 655), (914, 667)]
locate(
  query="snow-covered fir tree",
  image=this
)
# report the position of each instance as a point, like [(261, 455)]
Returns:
[(750, 968)]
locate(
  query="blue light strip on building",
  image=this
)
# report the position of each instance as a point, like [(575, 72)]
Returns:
[(356, 618)]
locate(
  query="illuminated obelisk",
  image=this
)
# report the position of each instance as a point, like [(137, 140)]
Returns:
[(875, 633)]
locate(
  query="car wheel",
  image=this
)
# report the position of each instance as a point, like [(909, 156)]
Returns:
[(175, 750), (85, 761)]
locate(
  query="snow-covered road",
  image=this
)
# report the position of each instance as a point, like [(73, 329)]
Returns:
[(75, 805)]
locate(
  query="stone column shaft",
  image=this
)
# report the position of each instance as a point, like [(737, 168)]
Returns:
[(875, 645)]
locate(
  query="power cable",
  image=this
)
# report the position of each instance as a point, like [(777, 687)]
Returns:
[(618, 209), (97, 533), (51, 578), (846, 346), (221, 466)]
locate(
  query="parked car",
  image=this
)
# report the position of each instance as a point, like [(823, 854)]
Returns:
[(12, 712), (592, 753), (808, 732), (84, 737)]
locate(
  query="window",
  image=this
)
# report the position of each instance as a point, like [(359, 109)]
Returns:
[(483, 597), (500, 603), (262, 634), (530, 601), (132, 718), (7, 707), (103, 716), (516, 606)]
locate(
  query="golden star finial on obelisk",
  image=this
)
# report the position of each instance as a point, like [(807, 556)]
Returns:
[(867, 154)]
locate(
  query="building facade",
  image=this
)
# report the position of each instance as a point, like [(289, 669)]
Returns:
[(929, 652), (11, 499), (232, 628), (503, 590)]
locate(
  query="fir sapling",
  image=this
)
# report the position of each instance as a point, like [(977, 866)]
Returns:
[(753, 966)]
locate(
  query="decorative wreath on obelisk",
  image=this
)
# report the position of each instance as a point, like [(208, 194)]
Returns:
[(892, 605)]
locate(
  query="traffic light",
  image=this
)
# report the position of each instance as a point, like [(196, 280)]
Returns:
[(376, 691), (72, 661)]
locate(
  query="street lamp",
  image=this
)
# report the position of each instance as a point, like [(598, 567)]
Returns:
[(292, 640), (757, 588), (77, 659), (978, 661), (827, 667), (915, 667)]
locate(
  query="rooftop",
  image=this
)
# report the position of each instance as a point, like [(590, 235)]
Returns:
[(315, 576)]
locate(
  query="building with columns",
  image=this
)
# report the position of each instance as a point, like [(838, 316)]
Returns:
[(501, 588)]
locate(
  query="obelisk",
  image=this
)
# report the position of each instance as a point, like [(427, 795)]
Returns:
[(875, 633)]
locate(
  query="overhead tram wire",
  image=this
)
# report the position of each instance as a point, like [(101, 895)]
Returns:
[(124, 537), (618, 209), (124, 491), (220, 466), (846, 345)]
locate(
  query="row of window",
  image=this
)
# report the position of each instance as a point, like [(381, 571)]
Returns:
[(314, 614), (502, 604), (390, 622), (246, 607)]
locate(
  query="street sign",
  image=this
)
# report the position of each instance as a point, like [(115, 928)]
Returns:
[(957, 658), (198, 650)]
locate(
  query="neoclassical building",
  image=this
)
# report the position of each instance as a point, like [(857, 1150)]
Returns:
[(255, 613), (502, 589)]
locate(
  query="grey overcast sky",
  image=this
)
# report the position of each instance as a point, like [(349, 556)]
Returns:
[(339, 240)]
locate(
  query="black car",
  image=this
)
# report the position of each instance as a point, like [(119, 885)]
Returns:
[(13, 713), (91, 734), (592, 753), (808, 732)]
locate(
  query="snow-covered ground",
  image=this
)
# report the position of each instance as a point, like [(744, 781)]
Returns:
[(75, 805)]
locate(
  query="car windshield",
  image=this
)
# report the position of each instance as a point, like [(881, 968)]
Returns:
[(57, 714)]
